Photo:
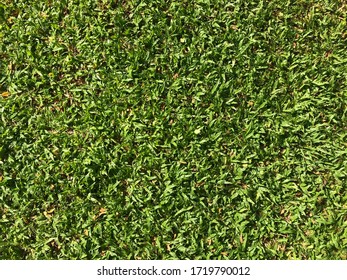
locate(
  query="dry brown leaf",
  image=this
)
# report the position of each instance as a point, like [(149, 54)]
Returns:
[(5, 94), (47, 215), (51, 211)]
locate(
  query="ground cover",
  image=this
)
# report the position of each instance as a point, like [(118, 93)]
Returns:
[(173, 129)]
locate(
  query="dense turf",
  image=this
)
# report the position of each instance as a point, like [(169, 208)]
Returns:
[(173, 129)]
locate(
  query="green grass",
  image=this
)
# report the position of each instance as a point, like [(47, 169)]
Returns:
[(155, 129)]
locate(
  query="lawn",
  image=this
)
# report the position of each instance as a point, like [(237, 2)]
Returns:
[(155, 129)]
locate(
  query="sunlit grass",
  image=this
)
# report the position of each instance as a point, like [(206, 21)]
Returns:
[(173, 129)]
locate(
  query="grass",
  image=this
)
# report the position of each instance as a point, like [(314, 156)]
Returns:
[(155, 129)]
